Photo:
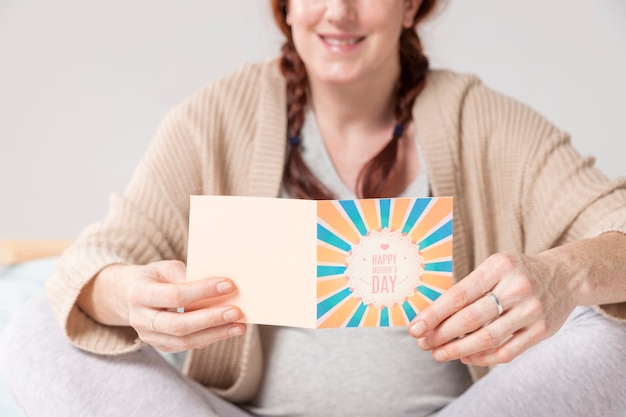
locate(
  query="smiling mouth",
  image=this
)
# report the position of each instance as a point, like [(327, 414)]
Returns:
[(342, 41)]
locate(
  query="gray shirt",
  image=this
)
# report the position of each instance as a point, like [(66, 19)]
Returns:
[(356, 371)]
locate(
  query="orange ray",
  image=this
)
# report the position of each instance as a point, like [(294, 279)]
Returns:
[(340, 316), (325, 288), (437, 251), (371, 318), (397, 315), (418, 302), (399, 208), (441, 208), (328, 255), (329, 213), (439, 281), (372, 221)]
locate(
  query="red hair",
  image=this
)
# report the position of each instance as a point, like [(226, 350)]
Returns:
[(298, 180)]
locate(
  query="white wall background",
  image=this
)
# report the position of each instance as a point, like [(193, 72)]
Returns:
[(83, 85)]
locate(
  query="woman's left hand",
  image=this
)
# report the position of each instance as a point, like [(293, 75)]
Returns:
[(464, 323)]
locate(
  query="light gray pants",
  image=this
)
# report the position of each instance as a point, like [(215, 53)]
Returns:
[(49, 377), (580, 371)]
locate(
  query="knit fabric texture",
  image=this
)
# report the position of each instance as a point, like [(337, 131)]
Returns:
[(517, 183)]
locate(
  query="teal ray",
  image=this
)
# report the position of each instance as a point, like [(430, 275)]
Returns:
[(325, 306), (384, 317), (441, 233), (428, 293), (418, 208), (357, 317), (349, 206), (330, 270), (385, 209), (445, 266), (332, 239), (408, 309)]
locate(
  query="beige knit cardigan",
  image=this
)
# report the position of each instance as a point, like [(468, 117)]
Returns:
[(518, 186)]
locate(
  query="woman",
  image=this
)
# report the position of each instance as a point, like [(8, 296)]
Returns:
[(538, 236)]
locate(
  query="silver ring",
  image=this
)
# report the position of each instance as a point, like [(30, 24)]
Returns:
[(152, 321), (497, 301)]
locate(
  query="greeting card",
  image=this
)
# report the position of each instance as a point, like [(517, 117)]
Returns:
[(319, 264)]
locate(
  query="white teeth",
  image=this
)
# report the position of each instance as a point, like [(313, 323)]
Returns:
[(341, 42)]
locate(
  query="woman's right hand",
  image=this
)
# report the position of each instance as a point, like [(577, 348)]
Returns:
[(146, 298)]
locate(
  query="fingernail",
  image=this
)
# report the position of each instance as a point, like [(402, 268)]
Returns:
[(224, 287), (440, 355), (418, 328), (235, 331), (231, 315), (423, 344)]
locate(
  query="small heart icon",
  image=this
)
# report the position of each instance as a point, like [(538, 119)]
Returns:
[(384, 246)]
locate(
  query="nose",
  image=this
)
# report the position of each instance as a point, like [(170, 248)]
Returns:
[(340, 10)]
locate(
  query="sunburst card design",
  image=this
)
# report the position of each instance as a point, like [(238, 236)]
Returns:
[(324, 264)]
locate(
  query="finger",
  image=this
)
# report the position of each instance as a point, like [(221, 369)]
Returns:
[(170, 271), (484, 339), (469, 319), (198, 340), (183, 324), (521, 341), (465, 292), (175, 295)]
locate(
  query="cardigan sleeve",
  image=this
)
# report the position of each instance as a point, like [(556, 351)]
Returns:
[(145, 223), (567, 190), (564, 189), (534, 187), (203, 146)]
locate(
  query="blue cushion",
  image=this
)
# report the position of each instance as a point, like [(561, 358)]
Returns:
[(18, 284)]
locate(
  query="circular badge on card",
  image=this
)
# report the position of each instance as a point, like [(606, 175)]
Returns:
[(384, 268)]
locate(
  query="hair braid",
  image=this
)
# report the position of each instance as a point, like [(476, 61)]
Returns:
[(377, 172), (298, 180)]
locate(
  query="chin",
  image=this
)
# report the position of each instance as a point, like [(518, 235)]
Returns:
[(337, 75)]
